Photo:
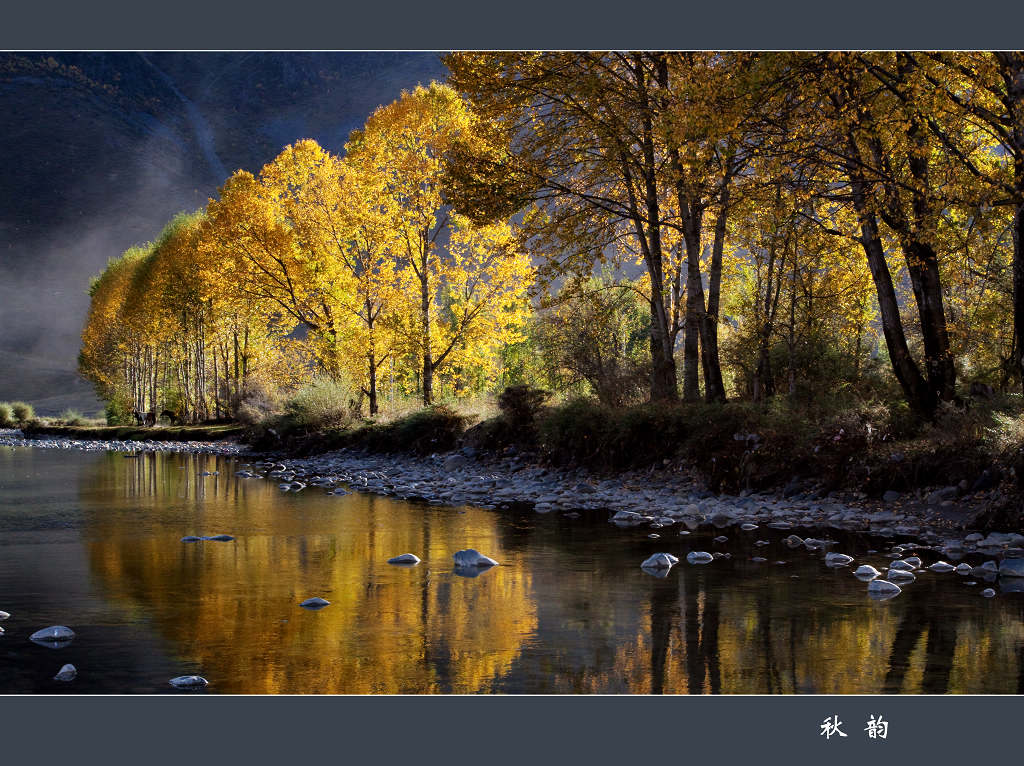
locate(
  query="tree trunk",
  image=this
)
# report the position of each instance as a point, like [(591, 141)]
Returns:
[(428, 362), (695, 309)]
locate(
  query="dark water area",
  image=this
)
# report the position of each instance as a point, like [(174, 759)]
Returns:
[(92, 541)]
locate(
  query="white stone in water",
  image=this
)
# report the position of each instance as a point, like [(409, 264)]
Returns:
[(988, 593), (964, 568), (901, 575), (866, 572), (902, 564), (1, 631), (837, 559), (654, 536), (721, 539), (66, 673), (748, 527), (660, 561), (759, 559), (405, 558), (472, 558), (4, 615), (914, 561), (188, 682), (884, 587), (315, 603), (55, 634), (699, 557), (942, 566)]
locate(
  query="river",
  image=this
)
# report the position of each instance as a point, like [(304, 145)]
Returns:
[(92, 540)]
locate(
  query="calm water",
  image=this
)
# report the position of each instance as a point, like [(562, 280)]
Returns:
[(91, 540)]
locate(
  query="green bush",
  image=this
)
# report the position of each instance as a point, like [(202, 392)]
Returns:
[(432, 429), (23, 412), (6, 415), (118, 413)]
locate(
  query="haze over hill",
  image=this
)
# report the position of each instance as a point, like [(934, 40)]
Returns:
[(99, 150)]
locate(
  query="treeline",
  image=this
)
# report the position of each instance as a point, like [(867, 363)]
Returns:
[(352, 268), (635, 226)]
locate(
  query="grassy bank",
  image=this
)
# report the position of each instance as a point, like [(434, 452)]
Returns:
[(198, 433), (874, 448)]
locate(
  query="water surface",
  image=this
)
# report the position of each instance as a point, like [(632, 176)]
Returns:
[(92, 541)]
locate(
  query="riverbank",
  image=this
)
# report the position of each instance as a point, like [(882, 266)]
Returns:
[(15, 438), (670, 501), (197, 433)]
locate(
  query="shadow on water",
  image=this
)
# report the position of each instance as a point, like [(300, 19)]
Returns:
[(97, 545)]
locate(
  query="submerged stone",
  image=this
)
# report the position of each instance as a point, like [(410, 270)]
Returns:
[(220, 538), (866, 572), (699, 557), (406, 558), (191, 539), (315, 603), (837, 559), (660, 561), (883, 589), (988, 593), (942, 566), (66, 673), (901, 575), (472, 558), (1011, 568), (55, 635), (188, 682)]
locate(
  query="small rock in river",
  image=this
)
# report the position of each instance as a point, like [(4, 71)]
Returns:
[(883, 589), (866, 572), (405, 558), (4, 615), (914, 561), (964, 568), (53, 636), (901, 575), (758, 559), (315, 603), (220, 538), (472, 558), (793, 541), (66, 673), (191, 539), (699, 557), (660, 561), (837, 559), (942, 566), (748, 527), (988, 593), (188, 682), (902, 564), (654, 536), (721, 539)]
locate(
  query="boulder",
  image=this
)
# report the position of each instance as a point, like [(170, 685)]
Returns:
[(472, 558), (66, 673), (406, 558), (699, 557), (315, 603)]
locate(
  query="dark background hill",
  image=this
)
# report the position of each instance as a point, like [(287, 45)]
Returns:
[(99, 150)]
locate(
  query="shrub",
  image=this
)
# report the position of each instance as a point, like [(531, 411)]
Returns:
[(118, 413), (72, 417), (256, 402), (520, 404), (6, 415), (322, 405), (23, 412)]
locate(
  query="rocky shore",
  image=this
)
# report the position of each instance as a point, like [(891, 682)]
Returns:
[(669, 500), (15, 438)]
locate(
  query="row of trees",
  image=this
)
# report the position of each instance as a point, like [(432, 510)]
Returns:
[(702, 224), (809, 167), (343, 266)]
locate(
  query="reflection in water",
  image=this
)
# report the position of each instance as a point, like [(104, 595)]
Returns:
[(568, 611)]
